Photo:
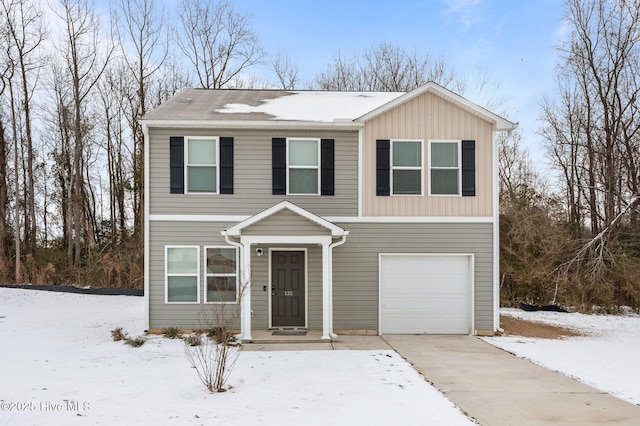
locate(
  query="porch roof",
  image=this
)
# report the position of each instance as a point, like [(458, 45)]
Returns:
[(236, 230)]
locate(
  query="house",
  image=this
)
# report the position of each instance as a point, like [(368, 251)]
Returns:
[(345, 212)]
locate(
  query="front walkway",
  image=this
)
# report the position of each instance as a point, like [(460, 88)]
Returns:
[(497, 388)]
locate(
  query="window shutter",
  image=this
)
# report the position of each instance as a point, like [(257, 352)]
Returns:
[(226, 165), (279, 166), (383, 167), (327, 167), (176, 165), (468, 168)]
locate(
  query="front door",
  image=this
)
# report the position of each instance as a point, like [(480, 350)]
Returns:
[(287, 289)]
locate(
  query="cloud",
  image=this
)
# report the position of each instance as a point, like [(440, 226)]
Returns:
[(466, 12)]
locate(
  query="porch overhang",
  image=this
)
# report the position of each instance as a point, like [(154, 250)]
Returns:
[(325, 234)]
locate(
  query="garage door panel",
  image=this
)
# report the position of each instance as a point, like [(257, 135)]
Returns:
[(425, 294)]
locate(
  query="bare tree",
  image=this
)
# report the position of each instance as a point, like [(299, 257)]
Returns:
[(217, 40), (25, 32), (593, 134), (286, 72), (85, 61), (141, 31)]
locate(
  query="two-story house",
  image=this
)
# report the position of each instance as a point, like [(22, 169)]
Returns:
[(345, 212)]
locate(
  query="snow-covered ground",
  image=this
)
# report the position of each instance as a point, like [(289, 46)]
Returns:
[(607, 357), (59, 366)]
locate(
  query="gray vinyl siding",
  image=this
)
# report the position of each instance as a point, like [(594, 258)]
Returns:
[(252, 175), (355, 269), (203, 234), (355, 266), (285, 223), (162, 234)]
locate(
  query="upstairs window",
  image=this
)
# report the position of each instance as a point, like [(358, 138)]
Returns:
[(202, 165), (406, 167), (445, 171), (208, 167), (303, 166)]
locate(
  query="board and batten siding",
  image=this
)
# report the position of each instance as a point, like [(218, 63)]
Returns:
[(355, 266), (252, 175), (429, 117)]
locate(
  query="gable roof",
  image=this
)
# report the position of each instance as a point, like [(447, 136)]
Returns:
[(500, 123), (236, 230), (217, 108)]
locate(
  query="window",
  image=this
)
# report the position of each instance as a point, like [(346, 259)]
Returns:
[(202, 164), (406, 167), (303, 166), (182, 280), (445, 168), (209, 165), (221, 271)]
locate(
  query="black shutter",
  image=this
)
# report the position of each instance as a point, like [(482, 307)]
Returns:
[(279, 166), (226, 165), (176, 165), (327, 167), (468, 168), (383, 167)]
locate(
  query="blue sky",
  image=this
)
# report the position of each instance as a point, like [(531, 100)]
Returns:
[(512, 40)]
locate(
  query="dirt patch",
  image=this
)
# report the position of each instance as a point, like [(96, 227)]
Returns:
[(519, 327)]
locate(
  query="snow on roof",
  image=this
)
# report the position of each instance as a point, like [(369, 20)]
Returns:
[(316, 106), (268, 105)]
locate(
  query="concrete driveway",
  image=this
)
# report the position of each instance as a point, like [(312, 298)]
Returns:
[(497, 388)]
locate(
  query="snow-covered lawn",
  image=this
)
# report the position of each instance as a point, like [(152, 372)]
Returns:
[(59, 366), (607, 357)]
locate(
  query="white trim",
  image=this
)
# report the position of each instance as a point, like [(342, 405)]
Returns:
[(342, 219), (166, 275), (471, 299), (317, 167), (205, 275), (306, 282), (499, 123), (196, 218), (410, 219), (496, 235), (360, 170), (254, 124), (459, 168), (278, 239), (146, 267), (393, 168), (236, 230), (187, 165)]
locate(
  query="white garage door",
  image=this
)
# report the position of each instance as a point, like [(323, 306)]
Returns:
[(425, 294)]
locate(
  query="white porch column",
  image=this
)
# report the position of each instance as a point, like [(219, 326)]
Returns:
[(326, 291), (245, 285)]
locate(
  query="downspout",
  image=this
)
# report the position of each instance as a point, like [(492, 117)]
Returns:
[(340, 242), (147, 145), (496, 227), (241, 249)]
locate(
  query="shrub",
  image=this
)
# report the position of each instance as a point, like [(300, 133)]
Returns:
[(171, 332), (135, 342), (193, 340), (118, 334)]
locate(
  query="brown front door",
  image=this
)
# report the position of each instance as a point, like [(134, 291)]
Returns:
[(287, 289)]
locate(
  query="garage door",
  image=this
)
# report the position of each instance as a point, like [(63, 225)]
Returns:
[(425, 294)]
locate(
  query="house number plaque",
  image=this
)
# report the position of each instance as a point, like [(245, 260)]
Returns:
[(288, 293)]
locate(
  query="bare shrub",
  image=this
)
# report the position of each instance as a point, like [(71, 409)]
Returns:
[(215, 356)]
